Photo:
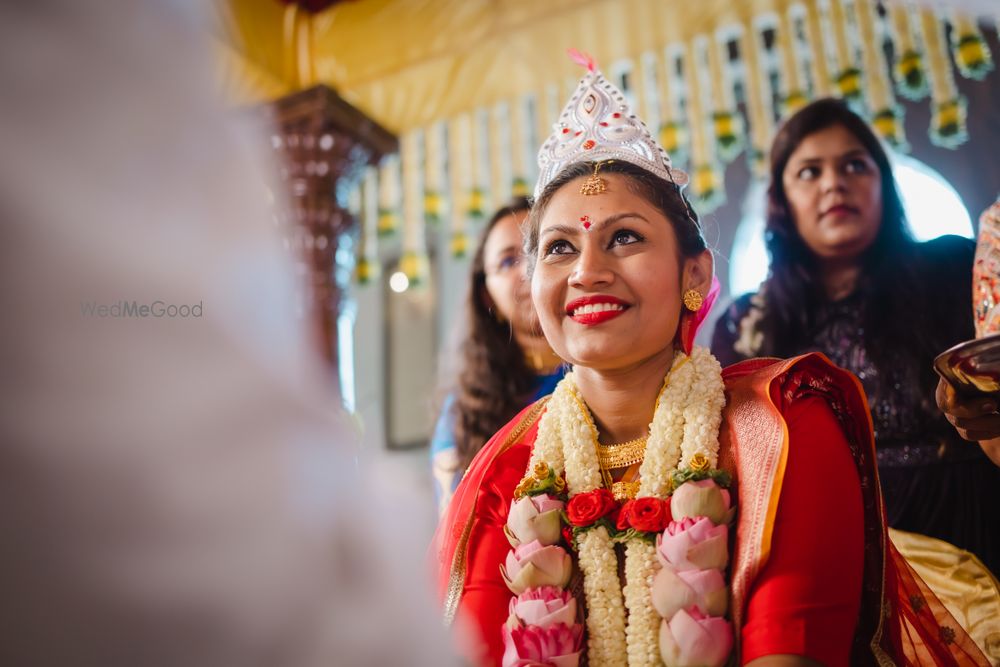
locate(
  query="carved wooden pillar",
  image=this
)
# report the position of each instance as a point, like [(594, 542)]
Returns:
[(323, 144)]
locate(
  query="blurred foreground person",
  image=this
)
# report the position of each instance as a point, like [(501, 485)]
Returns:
[(174, 489)]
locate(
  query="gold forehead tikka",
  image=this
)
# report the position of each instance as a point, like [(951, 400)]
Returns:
[(595, 185)]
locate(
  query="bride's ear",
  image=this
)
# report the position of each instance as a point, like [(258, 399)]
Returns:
[(698, 272)]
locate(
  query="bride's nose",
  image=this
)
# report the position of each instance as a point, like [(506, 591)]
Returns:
[(592, 268)]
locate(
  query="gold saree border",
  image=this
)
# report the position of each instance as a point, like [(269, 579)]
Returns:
[(459, 564)]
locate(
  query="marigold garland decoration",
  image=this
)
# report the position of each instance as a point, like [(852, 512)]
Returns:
[(792, 102), (848, 83), (729, 134), (459, 244), (973, 57), (674, 139), (948, 123), (474, 208), (889, 125), (433, 204)]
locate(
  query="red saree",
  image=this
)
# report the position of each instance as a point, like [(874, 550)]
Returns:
[(780, 423)]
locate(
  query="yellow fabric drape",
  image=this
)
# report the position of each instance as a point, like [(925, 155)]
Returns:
[(962, 583), (409, 63)]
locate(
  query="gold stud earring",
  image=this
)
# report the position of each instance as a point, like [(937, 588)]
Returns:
[(693, 300)]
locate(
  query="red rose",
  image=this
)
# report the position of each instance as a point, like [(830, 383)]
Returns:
[(621, 518), (584, 509), (649, 515), (567, 534)]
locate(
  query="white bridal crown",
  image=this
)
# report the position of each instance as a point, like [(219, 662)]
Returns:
[(598, 125)]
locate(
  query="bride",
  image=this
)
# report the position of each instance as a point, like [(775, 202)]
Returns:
[(657, 509)]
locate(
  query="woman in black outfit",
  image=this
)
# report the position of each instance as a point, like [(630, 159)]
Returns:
[(847, 279)]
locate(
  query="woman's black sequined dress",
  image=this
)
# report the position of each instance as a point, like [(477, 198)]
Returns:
[(934, 482)]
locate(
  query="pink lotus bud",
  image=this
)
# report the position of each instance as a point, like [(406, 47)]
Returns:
[(533, 565), (530, 646), (701, 498), (534, 518), (703, 589), (693, 544), (544, 607), (694, 640)]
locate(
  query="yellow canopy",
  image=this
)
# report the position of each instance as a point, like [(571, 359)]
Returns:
[(408, 63)]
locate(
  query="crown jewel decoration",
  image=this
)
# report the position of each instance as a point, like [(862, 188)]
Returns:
[(598, 125)]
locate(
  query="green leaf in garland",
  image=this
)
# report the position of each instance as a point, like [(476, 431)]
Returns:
[(682, 475)]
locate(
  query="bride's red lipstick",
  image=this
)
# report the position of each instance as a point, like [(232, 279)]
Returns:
[(601, 309)]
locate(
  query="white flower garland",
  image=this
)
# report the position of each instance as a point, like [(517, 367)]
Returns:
[(685, 423)]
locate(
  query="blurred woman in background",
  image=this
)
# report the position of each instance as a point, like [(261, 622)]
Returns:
[(505, 361)]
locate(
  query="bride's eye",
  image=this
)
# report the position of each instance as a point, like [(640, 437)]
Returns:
[(625, 237), (558, 247)]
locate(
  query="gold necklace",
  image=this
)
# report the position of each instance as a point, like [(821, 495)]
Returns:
[(621, 455)]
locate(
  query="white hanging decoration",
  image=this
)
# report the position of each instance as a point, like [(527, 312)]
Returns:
[(910, 70), (435, 200), (674, 134), (795, 93), (460, 179), (761, 123), (847, 76), (707, 186), (819, 38), (727, 124), (389, 200), (969, 48), (500, 155), (414, 263), (886, 114), (649, 84), (368, 266), (522, 147), (948, 107), (477, 199)]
